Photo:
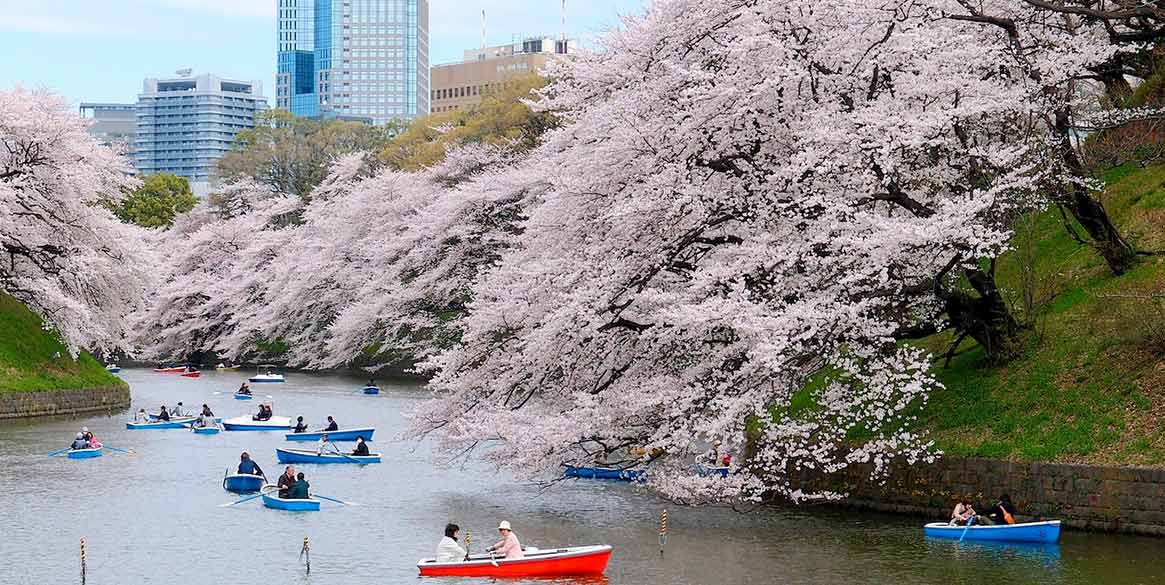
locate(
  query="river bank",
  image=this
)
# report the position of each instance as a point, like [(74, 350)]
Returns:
[(38, 377)]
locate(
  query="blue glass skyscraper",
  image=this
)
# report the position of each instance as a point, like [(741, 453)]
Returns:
[(353, 58)]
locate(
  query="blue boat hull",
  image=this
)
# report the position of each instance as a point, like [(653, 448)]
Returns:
[(180, 424), (293, 505), (113, 370), (296, 456), (206, 430), (85, 453), (605, 473), (242, 483), (1028, 532), (340, 435), (261, 381), (243, 397), (371, 390)]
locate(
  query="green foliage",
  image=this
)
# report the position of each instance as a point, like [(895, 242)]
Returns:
[(1092, 369), (33, 359), (500, 118), (292, 155), (157, 201)]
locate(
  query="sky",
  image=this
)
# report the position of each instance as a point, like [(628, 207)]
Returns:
[(101, 51)]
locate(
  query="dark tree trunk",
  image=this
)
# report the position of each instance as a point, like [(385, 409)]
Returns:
[(984, 318), (1087, 210)]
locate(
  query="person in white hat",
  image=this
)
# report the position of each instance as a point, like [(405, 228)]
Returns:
[(508, 546)]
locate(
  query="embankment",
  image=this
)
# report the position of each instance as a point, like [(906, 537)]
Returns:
[(38, 377), (1124, 499)]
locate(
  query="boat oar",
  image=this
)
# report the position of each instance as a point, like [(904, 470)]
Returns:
[(130, 451), (246, 499), (58, 452), (341, 502), (970, 521)]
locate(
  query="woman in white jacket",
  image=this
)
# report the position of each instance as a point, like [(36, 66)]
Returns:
[(448, 551)]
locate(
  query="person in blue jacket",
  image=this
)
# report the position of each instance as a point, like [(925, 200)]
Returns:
[(248, 466)]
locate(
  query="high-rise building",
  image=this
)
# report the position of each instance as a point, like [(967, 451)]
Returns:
[(460, 85), (112, 124), (353, 58), (185, 124)]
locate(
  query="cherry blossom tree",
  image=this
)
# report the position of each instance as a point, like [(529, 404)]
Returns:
[(62, 252), (750, 204)]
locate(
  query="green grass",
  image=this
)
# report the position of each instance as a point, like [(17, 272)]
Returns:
[(1090, 380), (32, 359)]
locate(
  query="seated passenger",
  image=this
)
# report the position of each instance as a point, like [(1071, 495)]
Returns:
[(332, 426), (298, 490), (361, 447), (163, 414), (448, 551), (300, 426), (79, 442)]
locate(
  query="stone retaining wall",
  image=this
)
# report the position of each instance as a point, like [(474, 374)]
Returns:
[(58, 402), (1110, 499)]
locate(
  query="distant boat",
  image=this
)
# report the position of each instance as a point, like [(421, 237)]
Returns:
[(225, 368), (707, 471), (244, 423), (205, 430), (340, 435), (242, 483), (266, 374), (170, 369), (193, 374), (556, 562), (112, 368), (371, 390), (310, 456), (606, 473), (174, 423), (85, 453), (239, 396), (278, 503), (1048, 531)]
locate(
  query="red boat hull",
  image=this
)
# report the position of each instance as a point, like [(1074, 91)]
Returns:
[(590, 563), (192, 375)]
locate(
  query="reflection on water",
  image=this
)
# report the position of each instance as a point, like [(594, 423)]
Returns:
[(155, 516)]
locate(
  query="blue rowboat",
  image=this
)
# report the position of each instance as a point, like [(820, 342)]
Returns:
[(243, 396), (154, 416), (606, 473), (706, 471), (84, 453), (244, 423), (371, 390), (206, 430), (112, 368), (308, 456), (340, 435), (174, 423), (242, 483), (1048, 531), (278, 503)]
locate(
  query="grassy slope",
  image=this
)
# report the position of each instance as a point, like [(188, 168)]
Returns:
[(1090, 384), (28, 359)]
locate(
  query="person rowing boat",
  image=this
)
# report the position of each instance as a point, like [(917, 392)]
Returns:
[(247, 466), (300, 426), (324, 443), (244, 390), (178, 410), (508, 546)]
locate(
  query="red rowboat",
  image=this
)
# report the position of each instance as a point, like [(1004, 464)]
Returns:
[(558, 562), (175, 370), (195, 374)]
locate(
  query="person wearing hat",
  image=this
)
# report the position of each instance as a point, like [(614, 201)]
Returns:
[(508, 546), (448, 550)]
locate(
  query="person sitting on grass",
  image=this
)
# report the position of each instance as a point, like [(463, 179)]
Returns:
[(298, 490)]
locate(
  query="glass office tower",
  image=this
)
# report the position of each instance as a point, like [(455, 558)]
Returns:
[(360, 59)]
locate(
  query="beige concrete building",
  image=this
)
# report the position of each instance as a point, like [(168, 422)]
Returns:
[(456, 86)]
